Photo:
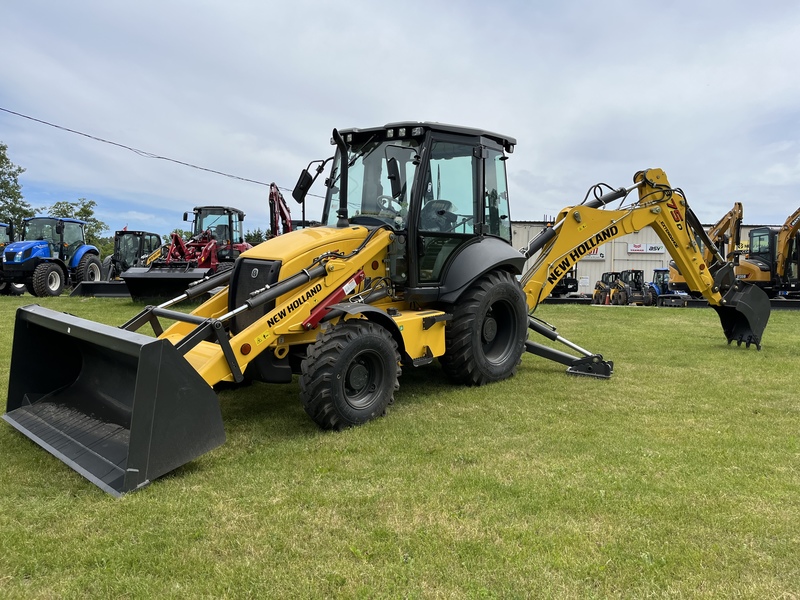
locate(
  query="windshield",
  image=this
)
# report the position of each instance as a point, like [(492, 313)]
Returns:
[(40, 229), (216, 221), (760, 242), (369, 190), (128, 249)]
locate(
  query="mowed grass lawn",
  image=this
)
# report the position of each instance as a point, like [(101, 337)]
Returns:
[(678, 477)]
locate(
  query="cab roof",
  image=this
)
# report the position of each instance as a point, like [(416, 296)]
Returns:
[(64, 219), (505, 141)]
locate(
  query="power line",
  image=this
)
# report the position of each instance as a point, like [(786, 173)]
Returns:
[(142, 152)]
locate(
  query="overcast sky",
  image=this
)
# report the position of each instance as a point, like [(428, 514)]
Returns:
[(593, 91)]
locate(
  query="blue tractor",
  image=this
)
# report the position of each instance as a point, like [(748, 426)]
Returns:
[(52, 253), (658, 291), (6, 237)]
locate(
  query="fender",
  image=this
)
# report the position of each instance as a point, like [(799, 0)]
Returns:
[(80, 253), (371, 313), (473, 260)]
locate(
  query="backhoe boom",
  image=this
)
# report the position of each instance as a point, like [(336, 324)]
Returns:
[(581, 228)]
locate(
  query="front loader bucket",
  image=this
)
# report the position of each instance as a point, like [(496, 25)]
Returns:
[(161, 281), (119, 407), (744, 314), (102, 289)]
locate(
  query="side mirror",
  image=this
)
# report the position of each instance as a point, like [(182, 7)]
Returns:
[(186, 216), (59, 227), (303, 185), (393, 168)]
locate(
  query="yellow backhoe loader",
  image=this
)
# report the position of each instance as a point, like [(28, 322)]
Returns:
[(413, 262)]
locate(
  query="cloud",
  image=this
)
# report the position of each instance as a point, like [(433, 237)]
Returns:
[(593, 92)]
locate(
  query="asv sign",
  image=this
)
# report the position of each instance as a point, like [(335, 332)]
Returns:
[(645, 248), (596, 253)]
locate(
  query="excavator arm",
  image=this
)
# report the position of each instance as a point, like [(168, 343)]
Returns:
[(783, 243), (280, 217), (743, 309), (727, 229)]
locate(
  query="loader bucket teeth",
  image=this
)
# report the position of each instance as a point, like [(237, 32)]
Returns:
[(118, 407), (744, 314)]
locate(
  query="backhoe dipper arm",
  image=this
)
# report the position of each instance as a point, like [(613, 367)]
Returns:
[(579, 229)]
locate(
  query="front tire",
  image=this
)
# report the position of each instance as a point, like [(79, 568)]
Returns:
[(486, 338), (48, 280), (11, 289), (350, 374)]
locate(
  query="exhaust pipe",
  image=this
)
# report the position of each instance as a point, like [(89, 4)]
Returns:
[(119, 407)]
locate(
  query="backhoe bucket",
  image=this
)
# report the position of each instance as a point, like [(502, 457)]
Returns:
[(744, 314), (119, 407)]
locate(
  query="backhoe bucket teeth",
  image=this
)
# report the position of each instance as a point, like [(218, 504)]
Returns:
[(119, 407), (744, 314)]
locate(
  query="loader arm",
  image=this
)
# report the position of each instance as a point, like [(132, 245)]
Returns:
[(297, 299), (782, 244), (579, 229)]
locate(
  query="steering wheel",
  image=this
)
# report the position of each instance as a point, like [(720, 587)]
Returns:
[(386, 204)]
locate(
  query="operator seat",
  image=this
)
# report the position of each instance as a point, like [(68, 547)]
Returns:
[(221, 233), (437, 215)]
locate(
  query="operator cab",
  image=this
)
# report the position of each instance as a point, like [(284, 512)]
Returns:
[(223, 222), (440, 187)]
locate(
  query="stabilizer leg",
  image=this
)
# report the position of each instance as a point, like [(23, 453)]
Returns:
[(588, 364)]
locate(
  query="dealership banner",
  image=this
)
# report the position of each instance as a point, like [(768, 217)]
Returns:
[(646, 248), (595, 253)]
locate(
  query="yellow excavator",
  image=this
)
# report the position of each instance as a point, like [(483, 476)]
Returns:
[(773, 259), (413, 261), (724, 235)]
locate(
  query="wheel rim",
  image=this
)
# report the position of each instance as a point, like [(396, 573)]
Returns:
[(363, 378), (498, 332), (93, 273), (53, 280)]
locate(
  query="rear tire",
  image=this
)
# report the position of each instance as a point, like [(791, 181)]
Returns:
[(349, 375), (48, 280), (88, 269), (486, 338)]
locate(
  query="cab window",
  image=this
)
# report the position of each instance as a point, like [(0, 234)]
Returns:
[(495, 200), (447, 214), (369, 189)]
